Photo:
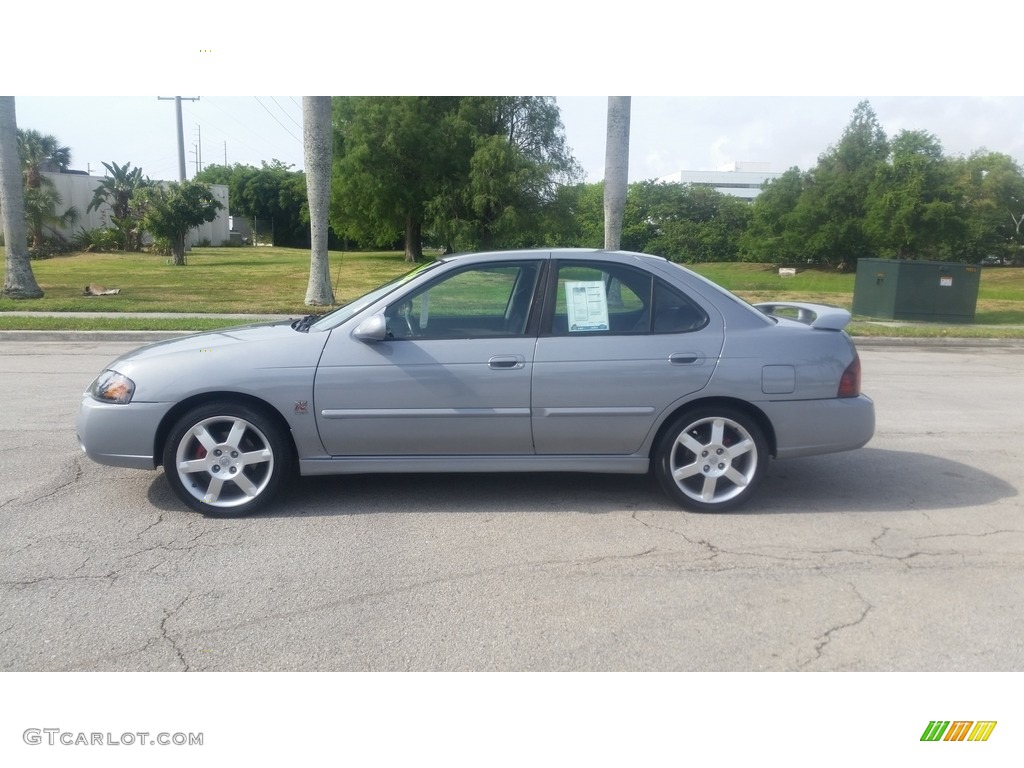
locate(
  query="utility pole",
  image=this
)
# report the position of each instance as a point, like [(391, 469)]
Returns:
[(181, 134)]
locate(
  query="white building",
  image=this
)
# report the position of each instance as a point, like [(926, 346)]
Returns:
[(76, 189), (741, 179)]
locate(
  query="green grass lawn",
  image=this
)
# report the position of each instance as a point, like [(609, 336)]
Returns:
[(253, 280), (273, 281)]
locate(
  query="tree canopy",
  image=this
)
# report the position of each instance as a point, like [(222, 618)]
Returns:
[(901, 198), (471, 171), (273, 192), (172, 210)]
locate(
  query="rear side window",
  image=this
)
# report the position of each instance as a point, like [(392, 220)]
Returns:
[(599, 298), (674, 312)]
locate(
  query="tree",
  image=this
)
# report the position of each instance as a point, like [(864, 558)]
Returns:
[(391, 158), (41, 206), (688, 222), (171, 211), (993, 192), (819, 217), (317, 140), (19, 282), (616, 169), (772, 234), (473, 171), (518, 161), (38, 153), (118, 190), (575, 217), (914, 210), (273, 192), (830, 216)]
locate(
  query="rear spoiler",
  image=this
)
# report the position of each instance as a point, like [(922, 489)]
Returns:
[(815, 315)]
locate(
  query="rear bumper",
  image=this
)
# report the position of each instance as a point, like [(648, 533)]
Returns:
[(119, 435), (811, 427)]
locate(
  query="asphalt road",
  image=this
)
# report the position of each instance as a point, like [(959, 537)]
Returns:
[(905, 555)]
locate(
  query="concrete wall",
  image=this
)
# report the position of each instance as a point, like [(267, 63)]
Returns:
[(77, 190)]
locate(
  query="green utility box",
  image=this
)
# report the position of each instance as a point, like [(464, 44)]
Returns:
[(934, 291)]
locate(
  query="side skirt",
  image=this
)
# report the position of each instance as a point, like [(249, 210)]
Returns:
[(346, 465)]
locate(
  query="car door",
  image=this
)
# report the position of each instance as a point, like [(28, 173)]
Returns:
[(452, 376), (619, 346)]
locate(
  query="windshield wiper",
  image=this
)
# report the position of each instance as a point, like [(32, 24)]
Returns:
[(302, 324)]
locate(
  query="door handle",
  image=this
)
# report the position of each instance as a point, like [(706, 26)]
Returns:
[(683, 358), (506, 362)]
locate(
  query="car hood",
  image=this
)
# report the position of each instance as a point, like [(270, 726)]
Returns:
[(241, 359), (224, 337)]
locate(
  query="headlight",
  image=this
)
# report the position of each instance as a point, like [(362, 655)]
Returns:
[(112, 387)]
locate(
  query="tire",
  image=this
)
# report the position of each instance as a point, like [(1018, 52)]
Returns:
[(226, 460), (711, 459)]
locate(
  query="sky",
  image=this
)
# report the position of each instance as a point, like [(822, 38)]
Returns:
[(668, 133), (762, 82)]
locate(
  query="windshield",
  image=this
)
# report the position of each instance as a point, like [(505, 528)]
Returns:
[(344, 312)]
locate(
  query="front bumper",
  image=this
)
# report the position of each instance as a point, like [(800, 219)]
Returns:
[(120, 435)]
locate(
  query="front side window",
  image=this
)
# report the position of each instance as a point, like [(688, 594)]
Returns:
[(483, 301)]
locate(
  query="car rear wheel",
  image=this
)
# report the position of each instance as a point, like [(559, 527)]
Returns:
[(711, 459), (226, 460)]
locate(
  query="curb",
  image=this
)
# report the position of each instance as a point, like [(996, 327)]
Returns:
[(142, 337), (934, 341)]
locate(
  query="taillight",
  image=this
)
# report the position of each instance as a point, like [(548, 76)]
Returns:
[(849, 382)]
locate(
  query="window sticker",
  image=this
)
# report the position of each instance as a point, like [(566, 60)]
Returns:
[(586, 305)]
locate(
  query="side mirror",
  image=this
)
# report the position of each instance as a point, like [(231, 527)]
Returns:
[(372, 329)]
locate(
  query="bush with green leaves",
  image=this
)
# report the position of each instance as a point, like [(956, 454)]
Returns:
[(97, 240), (49, 248)]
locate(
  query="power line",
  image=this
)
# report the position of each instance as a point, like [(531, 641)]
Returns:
[(276, 120), (234, 136), (297, 125)]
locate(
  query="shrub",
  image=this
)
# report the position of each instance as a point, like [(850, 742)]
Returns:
[(49, 248), (98, 240)]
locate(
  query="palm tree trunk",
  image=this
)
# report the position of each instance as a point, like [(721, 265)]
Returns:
[(616, 170), (19, 282), (316, 152)]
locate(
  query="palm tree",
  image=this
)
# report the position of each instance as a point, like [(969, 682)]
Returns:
[(41, 206), (117, 190), (316, 144), (40, 153), (616, 170), (19, 282)]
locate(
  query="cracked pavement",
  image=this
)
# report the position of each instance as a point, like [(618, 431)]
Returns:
[(905, 555)]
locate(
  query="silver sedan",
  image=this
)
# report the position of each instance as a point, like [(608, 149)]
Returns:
[(524, 361)]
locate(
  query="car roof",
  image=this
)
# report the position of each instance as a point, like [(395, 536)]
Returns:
[(554, 253)]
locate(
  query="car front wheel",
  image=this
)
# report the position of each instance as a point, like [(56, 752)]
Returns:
[(711, 459), (226, 460)]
